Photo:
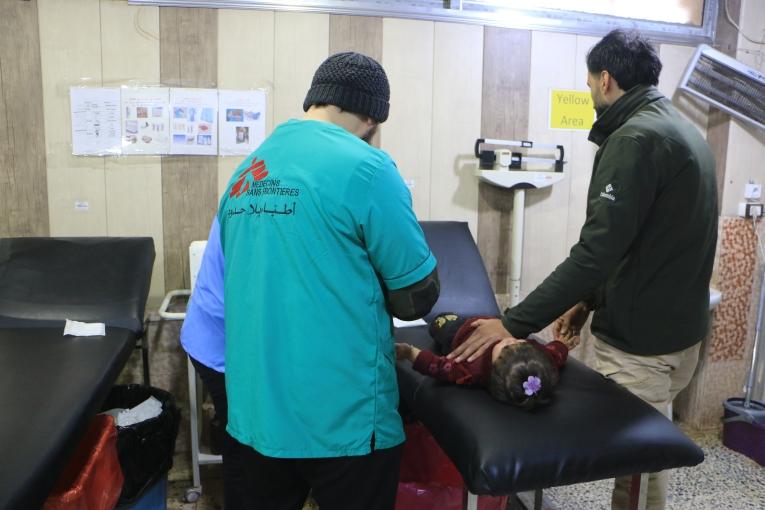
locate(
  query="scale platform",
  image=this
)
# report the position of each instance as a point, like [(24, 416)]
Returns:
[(520, 179)]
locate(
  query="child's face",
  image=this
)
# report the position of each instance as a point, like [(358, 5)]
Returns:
[(497, 349)]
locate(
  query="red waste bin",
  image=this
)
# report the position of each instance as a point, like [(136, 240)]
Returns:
[(92, 480), (429, 480)]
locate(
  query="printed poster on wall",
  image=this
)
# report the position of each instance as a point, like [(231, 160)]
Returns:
[(145, 120), (95, 121), (242, 118), (571, 109), (193, 121)]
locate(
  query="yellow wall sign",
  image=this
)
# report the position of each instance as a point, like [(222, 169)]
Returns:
[(571, 109)]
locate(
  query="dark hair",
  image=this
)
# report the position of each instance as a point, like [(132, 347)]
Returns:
[(513, 367), (627, 57)]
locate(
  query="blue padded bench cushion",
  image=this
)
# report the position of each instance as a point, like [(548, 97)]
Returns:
[(44, 280), (594, 429)]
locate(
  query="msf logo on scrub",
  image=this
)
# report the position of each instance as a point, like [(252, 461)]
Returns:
[(608, 193), (258, 171)]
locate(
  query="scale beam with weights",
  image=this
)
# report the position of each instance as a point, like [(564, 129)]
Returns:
[(509, 168)]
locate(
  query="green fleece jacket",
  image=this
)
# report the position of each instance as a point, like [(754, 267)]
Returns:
[(645, 253)]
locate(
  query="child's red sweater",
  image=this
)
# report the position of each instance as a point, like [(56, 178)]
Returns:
[(476, 372)]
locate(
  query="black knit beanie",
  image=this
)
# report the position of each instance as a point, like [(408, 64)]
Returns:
[(351, 81)]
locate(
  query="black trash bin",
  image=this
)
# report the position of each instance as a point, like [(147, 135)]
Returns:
[(145, 449)]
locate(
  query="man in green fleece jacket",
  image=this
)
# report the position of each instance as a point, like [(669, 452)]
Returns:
[(644, 257)]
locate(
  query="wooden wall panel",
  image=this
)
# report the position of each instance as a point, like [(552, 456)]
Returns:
[(130, 47), (70, 58), (504, 115), (245, 69), (301, 43), (752, 17), (362, 34), (129, 44), (717, 138), (726, 35), (745, 148), (23, 189), (580, 153), (356, 33), (188, 53), (546, 216), (188, 58), (457, 77), (406, 135), (718, 127), (450, 84), (674, 59), (745, 154)]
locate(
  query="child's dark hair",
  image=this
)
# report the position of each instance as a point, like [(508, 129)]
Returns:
[(515, 364), (628, 57)]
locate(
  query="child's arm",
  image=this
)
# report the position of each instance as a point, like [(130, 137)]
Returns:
[(558, 352), (438, 367)]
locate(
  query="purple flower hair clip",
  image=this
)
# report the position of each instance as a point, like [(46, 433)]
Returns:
[(532, 385)]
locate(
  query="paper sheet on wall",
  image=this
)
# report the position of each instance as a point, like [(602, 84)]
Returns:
[(194, 121), (242, 118), (571, 109), (145, 120), (95, 121)]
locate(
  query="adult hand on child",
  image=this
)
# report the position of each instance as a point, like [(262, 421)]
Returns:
[(569, 325), (487, 331), (571, 342)]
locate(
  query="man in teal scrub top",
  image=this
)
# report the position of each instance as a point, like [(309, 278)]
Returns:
[(321, 247)]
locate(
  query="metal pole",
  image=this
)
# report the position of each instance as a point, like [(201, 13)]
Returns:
[(752, 369), (470, 500), (638, 492), (193, 417), (516, 246)]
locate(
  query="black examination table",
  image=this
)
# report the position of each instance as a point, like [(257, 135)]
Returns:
[(593, 430), (51, 385)]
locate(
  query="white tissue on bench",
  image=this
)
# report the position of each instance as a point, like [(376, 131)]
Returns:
[(76, 328), (408, 324)]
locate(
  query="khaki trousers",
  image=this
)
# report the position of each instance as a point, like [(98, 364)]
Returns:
[(656, 380)]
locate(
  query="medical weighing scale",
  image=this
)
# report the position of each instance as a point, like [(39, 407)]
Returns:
[(509, 168)]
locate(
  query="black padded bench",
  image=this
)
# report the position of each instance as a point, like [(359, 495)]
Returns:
[(593, 430), (50, 384)]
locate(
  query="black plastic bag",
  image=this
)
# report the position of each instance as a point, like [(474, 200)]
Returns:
[(145, 449)]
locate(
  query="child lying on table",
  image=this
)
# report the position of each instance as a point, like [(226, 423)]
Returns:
[(519, 372)]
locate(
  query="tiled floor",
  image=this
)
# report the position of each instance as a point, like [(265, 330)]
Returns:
[(725, 480), (212, 492)]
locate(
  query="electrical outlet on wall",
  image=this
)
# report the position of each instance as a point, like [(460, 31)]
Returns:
[(752, 191), (750, 210)]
